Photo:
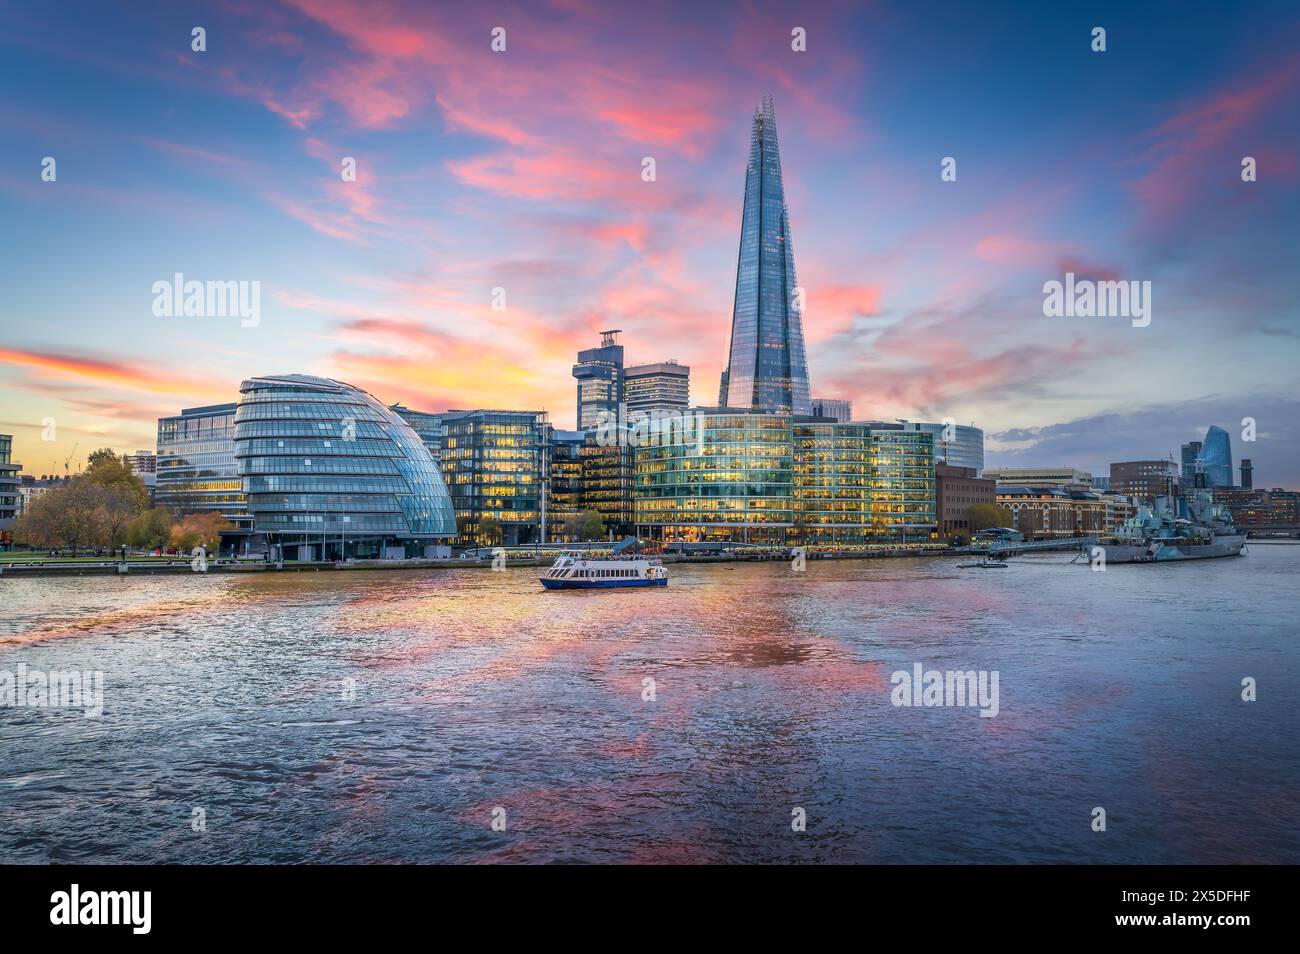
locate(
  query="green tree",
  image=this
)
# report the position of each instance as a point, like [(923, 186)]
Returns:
[(985, 516), (490, 531), (105, 469), (150, 529), (589, 525)]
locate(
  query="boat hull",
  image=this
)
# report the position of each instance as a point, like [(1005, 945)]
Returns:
[(552, 584), (1226, 546)]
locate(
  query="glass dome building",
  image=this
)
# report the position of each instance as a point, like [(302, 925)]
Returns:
[(330, 472)]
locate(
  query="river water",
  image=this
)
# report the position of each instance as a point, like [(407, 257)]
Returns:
[(393, 716)]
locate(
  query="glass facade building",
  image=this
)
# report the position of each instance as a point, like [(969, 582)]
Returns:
[(833, 408), (832, 483), (902, 482), (492, 462), (196, 470), (776, 479), (665, 386), (608, 479), (599, 373), (767, 367), (1208, 463), (1216, 456), (330, 470), (564, 488), (733, 483), (957, 445)]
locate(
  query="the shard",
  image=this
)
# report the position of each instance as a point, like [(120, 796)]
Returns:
[(767, 366)]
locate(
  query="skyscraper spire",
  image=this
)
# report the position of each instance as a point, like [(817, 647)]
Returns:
[(767, 366)]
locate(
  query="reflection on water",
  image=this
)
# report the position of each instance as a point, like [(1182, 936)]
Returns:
[(475, 690)]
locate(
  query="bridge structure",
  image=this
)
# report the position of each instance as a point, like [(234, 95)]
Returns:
[(1005, 548)]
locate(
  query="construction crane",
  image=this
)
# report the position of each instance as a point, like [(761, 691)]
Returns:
[(67, 461)]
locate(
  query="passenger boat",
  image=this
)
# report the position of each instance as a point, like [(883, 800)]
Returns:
[(572, 571), (984, 563)]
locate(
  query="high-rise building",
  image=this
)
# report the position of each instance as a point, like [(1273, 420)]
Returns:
[(9, 497), (330, 472), (607, 480), (492, 462), (663, 387), (564, 486), (143, 462), (1247, 474), (958, 445), (1190, 453), (1208, 463), (196, 464), (1146, 479), (599, 373), (767, 367), (1216, 455), (839, 411)]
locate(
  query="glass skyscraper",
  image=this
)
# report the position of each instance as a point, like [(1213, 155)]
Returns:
[(767, 368), (1208, 463)]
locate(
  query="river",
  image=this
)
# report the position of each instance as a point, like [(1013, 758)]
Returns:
[(393, 716)]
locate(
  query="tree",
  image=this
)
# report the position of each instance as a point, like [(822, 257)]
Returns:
[(589, 525), (73, 515), (491, 531), (118, 508), (105, 469), (150, 529), (199, 530), (984, 516)]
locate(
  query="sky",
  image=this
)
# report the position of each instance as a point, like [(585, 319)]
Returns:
[(521, 170)]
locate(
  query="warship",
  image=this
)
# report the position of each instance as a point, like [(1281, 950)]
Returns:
[(1190, 527)]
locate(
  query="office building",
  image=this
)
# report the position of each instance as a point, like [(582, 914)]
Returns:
[(492, 462), (738, 489), (10, 500), (836, 410), (957, 489), (1040, 476), (1145, 479), (957, 445), (1208, 463), (767, 368), (766, 478), (664, 388), (564, 487), (599, 373), (1247, 474), (196, 470), (331, 473), (607, 481)]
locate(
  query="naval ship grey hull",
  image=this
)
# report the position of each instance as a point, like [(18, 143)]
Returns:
[(1157, 551)]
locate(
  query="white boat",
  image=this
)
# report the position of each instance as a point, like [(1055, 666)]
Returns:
[(572, 571), (984, 563)]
